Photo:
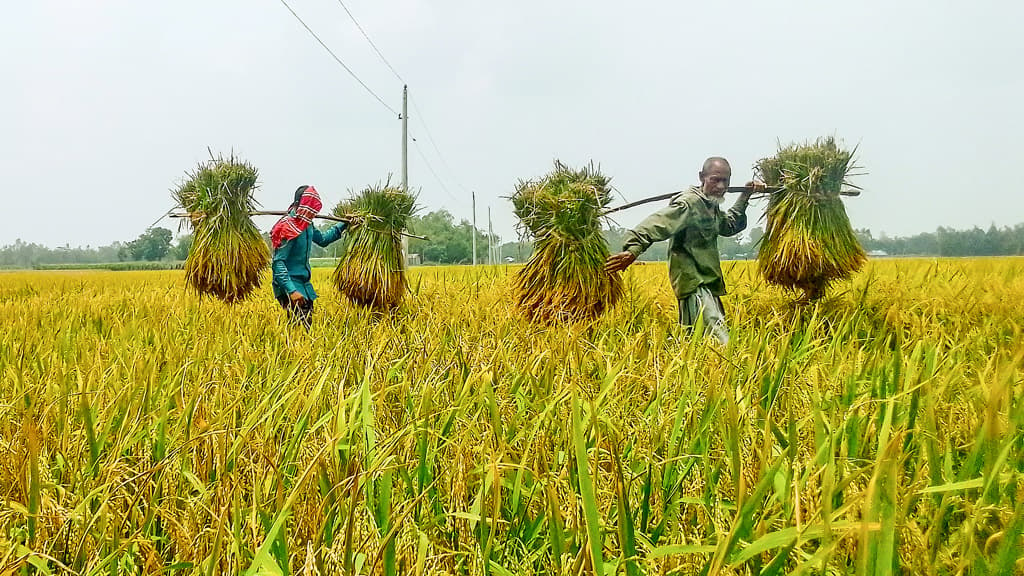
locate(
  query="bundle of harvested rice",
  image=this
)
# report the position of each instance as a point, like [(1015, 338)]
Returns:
[(228, 255), (808, 241), (564, 279), (372, 270)]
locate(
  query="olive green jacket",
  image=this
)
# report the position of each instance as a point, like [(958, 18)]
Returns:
[(694, 225)]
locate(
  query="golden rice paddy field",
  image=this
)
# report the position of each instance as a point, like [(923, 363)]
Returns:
[(145, 432)]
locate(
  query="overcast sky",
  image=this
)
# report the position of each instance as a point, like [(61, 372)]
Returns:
[(106, 103)]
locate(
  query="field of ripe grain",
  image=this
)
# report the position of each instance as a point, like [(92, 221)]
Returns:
[(882, 431)]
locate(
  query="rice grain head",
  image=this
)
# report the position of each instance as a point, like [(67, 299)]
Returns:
[(228, 254), (371, 271), (808, 242), (564, 279)]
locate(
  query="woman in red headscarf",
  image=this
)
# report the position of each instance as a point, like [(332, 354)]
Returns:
[(292, 239)]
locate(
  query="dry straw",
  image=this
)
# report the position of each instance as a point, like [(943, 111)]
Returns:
[(564, 280), (228, 255), (372, 270), (808, 242)]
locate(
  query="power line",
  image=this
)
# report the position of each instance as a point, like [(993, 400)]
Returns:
[(380, 54), (423, 122), (372, 45), (431, 168), (338, 60), (430, 137)]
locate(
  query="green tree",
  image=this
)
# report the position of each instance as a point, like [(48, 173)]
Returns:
[(756, 234), (181, 247), (518, 251), (449, 243), (153, 244)]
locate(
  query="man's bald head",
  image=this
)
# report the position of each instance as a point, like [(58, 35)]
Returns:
[(714, 178), (714, 161)]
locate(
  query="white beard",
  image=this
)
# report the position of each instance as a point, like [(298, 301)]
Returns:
[(716, 200)]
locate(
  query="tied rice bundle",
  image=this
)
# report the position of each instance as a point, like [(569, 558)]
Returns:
[(372, 270), (228, 255), (564, 279), (808, 242)]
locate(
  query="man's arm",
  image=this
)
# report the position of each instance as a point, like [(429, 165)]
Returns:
[(736, 218), (659, 226), (280, 270), (329, 237)]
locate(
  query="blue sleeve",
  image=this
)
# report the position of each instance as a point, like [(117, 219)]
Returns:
[(280, 268), (329, 237)]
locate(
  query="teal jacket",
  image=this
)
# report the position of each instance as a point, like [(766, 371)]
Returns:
[(291, 261)]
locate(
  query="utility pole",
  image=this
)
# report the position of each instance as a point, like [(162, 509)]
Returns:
[(405, 160), (490, 238), (474, 228)]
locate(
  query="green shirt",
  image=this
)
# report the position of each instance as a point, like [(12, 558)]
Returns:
[(291, 261), (694, 225)]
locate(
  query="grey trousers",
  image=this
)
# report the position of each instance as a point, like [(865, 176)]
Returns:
[(704, 306)]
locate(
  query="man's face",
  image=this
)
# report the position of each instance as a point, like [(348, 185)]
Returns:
[(715, 180)]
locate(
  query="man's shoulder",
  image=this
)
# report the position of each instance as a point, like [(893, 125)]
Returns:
[(686, 197)]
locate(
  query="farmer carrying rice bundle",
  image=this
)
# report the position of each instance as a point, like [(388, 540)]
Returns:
[(292, 239), (694, 221)]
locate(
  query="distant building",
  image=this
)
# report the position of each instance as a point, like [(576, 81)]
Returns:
[(878, 253)]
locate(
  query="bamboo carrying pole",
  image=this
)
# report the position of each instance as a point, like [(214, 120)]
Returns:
[(284, 213), (731, 190)]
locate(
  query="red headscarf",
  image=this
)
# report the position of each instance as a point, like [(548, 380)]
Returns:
[(289, 227)]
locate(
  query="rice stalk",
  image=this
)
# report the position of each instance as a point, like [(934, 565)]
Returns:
[(228, 254), (808, 242), (219, 441), (371, 271), (564, 279)]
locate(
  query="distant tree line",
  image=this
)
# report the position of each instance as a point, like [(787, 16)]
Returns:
[(153, 245), (451, 242), (1006, 241)]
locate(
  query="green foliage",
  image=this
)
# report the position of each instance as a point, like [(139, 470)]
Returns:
[(372, 270), (153, 244), (564, 280), (227, 255), (945, 241), (449, 242), (180, 249), (23, 254), (808, 242)]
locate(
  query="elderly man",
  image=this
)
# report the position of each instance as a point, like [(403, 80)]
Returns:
[(694, 221)]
